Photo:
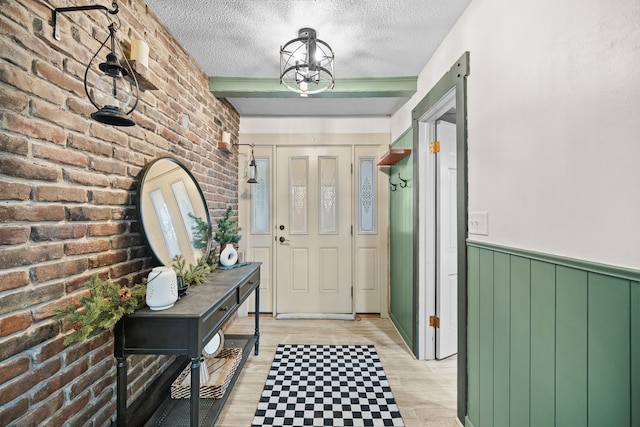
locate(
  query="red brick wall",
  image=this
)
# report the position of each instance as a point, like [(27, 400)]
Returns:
[(67, 197)]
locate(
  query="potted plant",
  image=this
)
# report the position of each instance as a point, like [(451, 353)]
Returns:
[(227, 237)]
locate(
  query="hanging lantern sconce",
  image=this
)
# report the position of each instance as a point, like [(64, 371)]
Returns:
[(115, 93)]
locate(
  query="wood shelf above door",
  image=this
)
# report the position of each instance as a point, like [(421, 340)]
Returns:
[(393, 156)]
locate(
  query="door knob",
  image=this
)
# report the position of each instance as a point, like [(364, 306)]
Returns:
[(282, 239)]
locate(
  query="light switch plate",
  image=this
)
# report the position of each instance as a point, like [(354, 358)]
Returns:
[(479, 223)]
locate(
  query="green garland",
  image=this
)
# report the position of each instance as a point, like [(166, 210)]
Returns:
[(107, 303)]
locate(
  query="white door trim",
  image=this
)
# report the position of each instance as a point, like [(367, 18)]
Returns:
[(426, 229)]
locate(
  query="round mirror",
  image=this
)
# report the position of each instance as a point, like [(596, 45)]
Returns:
[(173, 212)]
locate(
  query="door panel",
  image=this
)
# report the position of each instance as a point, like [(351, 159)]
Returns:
[(313, 230), (447, 265)]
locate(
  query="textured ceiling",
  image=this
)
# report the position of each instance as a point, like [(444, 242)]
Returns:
[(370, 38)]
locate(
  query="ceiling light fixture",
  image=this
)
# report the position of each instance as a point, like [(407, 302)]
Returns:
[(306, 64), (115, 93)]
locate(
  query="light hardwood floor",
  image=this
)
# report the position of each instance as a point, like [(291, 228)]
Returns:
[(424, 390)]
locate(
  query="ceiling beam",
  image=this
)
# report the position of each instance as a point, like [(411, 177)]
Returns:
[(246, 87)]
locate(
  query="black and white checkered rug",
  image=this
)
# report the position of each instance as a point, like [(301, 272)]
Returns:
[(327, 385)]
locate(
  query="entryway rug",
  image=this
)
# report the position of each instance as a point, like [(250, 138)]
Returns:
[(327, 385)]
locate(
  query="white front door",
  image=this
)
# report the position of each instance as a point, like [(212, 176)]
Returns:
[(446, 242), (313, 230)]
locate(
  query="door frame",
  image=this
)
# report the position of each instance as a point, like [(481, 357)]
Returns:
[(427, 230), (456, 78)]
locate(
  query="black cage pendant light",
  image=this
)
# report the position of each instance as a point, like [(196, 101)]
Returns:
[(115, 93), (306, 64)]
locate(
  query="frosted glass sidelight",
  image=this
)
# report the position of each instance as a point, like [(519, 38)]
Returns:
[(260, 209), (328, 203), (366, 195), (298, 194)]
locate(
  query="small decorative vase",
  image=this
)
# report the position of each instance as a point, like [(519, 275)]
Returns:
[(162, 288), (229, 255)]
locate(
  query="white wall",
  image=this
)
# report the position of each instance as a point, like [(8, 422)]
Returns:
[(554, 123), (314, 125)]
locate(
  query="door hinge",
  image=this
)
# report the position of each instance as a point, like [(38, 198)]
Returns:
[(434, 321), (434, 147), (352, 230)]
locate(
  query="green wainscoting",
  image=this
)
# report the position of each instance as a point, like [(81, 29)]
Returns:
[(551, 341), (401, 243)]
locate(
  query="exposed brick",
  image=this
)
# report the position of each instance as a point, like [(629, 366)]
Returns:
[(13, 411), (103, 416), (54, 193), (36, 129), (14, 191), (125, 268), (109, 133), (60, 155), (126, 241), (30, 379), (16, 144), (48, 138), (31, 338), (29, 297), (124, 183), (76, 283), (85, 381), (80, 105), (22, 168), (42, 412), (15, 322), (109, 197), (128, 156), (86, 178), (59, 77), (34, 213), (109, 166), (13, 279), (12, 99), (50, 349), (69, 411), (87, 412), (58, 115), (14, 235), (108, 258), (81, 350), (90, 145), (103, 354), (58, 232), (87, 246), (16, 257), (88, 213), (42, 273), (13, 368), (107, 229)]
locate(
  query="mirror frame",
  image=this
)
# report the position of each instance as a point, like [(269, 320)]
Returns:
[(144, 174)]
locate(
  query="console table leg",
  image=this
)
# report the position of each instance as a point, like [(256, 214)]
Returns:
[(257, 312), (121, 391), (195, 391)]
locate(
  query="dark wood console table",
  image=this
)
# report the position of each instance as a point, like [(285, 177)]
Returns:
[(184, 330)]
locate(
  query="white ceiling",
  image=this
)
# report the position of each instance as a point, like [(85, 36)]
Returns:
[(370, 38)]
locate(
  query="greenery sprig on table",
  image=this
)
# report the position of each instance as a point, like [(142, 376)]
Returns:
[(107, 303)]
